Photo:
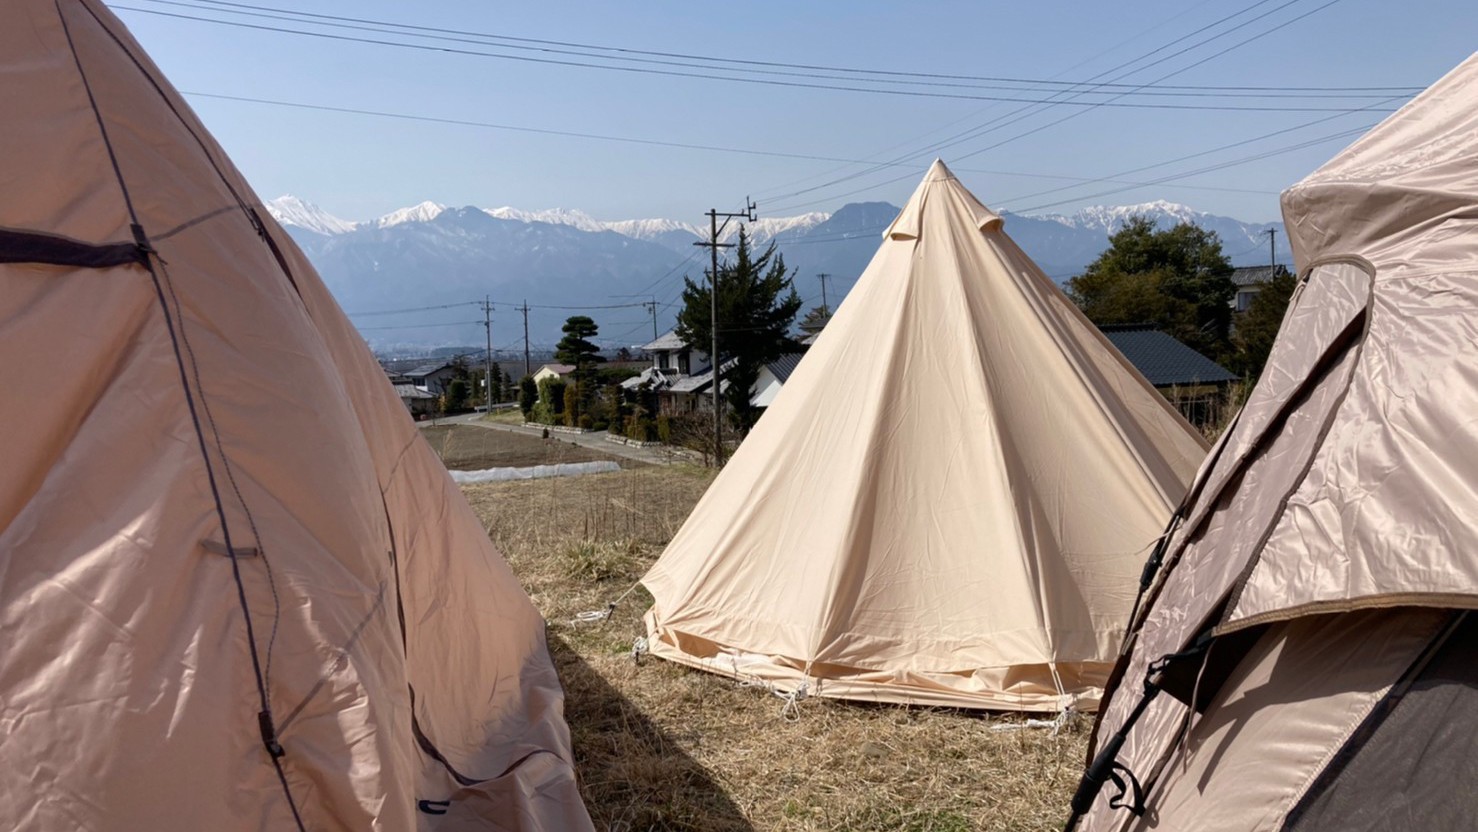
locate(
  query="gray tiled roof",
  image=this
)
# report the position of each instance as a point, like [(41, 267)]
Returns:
[(700, 380), (783, 366), (427, 369), (1163, 360), (411, 391), (668, 341), (1255, 275)]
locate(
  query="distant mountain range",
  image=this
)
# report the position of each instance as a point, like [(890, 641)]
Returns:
[(430, 255)]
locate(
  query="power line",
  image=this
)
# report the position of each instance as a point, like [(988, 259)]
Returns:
[(709, 76), (681, 59), (411, 309), (660, 143), (1021, 113), (978, 132), (860, 232)]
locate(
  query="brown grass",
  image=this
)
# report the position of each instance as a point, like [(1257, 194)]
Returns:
[(662, 747), (469, 448)]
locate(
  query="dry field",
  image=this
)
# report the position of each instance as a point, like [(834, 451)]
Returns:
[(663, 747), (470, 448)]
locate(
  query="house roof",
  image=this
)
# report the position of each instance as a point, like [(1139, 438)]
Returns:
[(411, 391), (427, 369), (560, 369), (668, 341), (782, 367), (699, 381), (1161, 359), (1256, 275)]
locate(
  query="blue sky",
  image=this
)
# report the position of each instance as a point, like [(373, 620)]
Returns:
[(360, 166)]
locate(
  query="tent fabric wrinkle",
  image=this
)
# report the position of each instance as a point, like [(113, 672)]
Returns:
[(1337, 515), (947, 503), (279, 611)]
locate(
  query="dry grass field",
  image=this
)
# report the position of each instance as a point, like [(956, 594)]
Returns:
[(471, 448), (663, 747)]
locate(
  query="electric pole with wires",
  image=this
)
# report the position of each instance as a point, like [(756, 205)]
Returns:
[(487, 325), (713, 245), (1272, 251), (525, 310), (651, 306)]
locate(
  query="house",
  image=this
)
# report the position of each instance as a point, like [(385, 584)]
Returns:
[(1193, 382), (434, 377), (772, 377), (559, 371), (417, 401), (683, 381), (1249, 281), (672, 362)]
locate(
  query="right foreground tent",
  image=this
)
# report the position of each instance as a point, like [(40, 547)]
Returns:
[(1305, 659)]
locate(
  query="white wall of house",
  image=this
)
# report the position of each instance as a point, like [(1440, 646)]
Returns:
[(765, 389)]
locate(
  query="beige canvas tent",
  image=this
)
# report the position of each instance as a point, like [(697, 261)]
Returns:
[(1306, 662), (237, 590), (950, 500)]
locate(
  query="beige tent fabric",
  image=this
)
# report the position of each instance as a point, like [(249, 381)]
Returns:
[(219, 529), (949, 501), (1302, 691), (1346, 481)]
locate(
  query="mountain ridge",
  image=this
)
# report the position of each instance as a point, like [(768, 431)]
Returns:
[(558, 260)]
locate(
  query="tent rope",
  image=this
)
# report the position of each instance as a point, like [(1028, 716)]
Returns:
[(602, 616)]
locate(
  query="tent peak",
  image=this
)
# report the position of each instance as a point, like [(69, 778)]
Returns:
[(941, 196), (937, 171)]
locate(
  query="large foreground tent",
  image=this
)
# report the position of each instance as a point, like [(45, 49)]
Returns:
[(949, 501), (237, 590), (1307, 661)]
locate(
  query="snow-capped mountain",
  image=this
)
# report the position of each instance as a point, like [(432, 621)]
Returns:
[(431, 254), (553, 216), (291, 211), (1236, 236), (423, 212)]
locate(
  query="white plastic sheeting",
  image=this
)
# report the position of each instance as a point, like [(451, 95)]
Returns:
[(534, 472)]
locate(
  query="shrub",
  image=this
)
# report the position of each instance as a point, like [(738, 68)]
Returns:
[(528, 396), (572, 404), (664, 429), (586, 421)]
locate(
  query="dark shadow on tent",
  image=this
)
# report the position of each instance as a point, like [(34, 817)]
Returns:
[(633, 775)]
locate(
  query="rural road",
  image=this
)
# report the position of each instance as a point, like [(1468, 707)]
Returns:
[(592, 441)]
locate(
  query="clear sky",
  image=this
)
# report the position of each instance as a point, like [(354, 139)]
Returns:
[(360, 166)]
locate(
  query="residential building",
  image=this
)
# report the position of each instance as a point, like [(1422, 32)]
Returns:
[(1249, 281), (1190, 380), (559, 371)]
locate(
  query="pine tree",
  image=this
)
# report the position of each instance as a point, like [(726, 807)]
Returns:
[(757, 305)]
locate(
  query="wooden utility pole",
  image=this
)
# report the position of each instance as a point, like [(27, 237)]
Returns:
[(1272, 252), (651, 306), (525, 309), (487, 325), (713, 245), (823, 276)]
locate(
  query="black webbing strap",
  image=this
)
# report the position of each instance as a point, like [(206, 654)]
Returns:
[(52, 250), (1106, 767)]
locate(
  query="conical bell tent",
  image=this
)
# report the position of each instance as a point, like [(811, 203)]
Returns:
[(237, 589), (950, 500), (1308, 661)]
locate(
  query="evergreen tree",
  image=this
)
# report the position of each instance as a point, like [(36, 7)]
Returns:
[(757, 305), (1178, 280), (528, 396)]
